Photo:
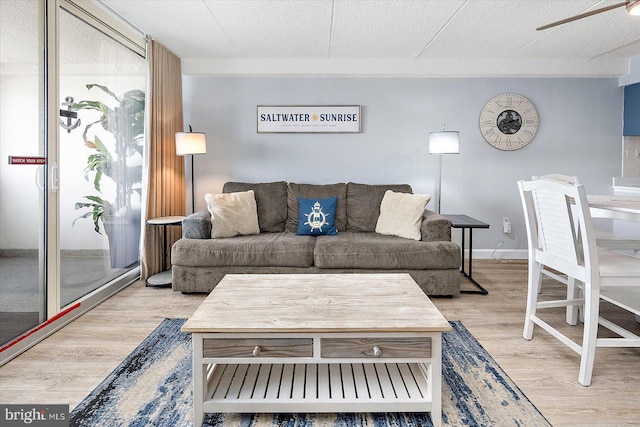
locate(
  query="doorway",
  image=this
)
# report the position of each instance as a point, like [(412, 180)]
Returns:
[(70, 187)]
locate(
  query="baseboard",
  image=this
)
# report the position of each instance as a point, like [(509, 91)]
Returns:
[(498, 254), (11, 253), (63, 252)]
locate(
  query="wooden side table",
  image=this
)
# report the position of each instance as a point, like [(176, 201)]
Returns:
[(164, 277), (467, 223)]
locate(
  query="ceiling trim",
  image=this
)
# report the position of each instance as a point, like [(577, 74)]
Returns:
[(334, 67)]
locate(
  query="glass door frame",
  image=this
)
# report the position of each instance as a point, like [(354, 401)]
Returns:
[(51, 84), (49, 17)]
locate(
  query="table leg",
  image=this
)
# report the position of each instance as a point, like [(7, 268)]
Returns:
[(436, 380), (164, 247), (462, 269), (199, 379), (163, 278), (470, 253), (481, 291)]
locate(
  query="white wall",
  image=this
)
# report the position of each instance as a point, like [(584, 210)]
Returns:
[(580, 134)]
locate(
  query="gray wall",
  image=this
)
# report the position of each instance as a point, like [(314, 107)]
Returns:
[(580, 134)]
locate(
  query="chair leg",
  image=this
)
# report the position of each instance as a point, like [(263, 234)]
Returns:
[(534, 283), (590, 335), (581, 308), (540, 283), (572, 293)]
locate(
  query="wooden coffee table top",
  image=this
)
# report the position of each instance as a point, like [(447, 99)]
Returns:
[(316, 303)]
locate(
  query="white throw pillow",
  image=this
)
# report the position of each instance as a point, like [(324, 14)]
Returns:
[(401, 214), (233, 214)]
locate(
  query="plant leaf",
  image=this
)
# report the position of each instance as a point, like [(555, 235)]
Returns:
[(104, 88), (126, 123)]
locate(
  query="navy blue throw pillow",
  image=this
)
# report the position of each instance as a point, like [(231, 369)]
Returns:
[(317, 216)]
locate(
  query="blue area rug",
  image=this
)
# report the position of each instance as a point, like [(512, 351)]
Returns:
[(152, 387)]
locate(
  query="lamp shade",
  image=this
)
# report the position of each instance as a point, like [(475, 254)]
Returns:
[(445, 142), (190, 143), (633, 7)]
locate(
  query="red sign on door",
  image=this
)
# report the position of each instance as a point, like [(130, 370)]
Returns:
[(26, 160)]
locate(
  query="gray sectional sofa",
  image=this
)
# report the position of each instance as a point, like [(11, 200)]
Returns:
[(200, 262)]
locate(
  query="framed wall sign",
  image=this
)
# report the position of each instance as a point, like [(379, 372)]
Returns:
[(308, 118)]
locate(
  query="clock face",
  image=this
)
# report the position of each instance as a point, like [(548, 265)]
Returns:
[(509, 121)]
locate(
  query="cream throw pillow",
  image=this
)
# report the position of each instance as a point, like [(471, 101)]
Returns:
[(233, 214), (401, 214)]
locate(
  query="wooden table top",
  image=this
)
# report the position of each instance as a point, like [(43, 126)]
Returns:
[(628, 203), (307, 303)]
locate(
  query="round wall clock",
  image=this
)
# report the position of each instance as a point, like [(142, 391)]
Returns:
[(509, 121)]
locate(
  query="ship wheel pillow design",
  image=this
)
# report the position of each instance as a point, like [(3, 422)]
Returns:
[(317, 216)]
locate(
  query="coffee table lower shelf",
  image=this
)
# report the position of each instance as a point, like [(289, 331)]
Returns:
[(317, 387)]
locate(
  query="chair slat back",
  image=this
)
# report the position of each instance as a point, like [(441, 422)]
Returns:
[(569, 179), (560, 225), (555, 225)]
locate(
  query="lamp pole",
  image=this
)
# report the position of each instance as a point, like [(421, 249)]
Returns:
[(439, 180), (193, 184)]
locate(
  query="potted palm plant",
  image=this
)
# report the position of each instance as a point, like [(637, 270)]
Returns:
[(120, 161)]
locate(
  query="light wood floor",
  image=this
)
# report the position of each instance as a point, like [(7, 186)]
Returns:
[(68, 365)]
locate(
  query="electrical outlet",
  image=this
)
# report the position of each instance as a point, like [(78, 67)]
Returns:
[(506, 225)]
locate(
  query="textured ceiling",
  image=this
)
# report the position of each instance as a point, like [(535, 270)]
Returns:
[(422, 38), (381, 37), (360, 37)]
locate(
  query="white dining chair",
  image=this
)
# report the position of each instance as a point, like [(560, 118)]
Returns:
[(605, 239), (572, 289), (560, 236)]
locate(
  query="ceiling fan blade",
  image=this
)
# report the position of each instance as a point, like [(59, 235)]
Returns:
[(582, 15)]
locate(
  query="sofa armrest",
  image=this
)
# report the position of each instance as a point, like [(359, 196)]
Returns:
[(197, 225), (435, 227)]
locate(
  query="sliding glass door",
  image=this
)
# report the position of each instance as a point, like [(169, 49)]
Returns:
[(101, 93), (72, 107), (22, 169)]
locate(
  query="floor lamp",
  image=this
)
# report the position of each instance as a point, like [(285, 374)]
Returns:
[(191, 143), (443, 142)]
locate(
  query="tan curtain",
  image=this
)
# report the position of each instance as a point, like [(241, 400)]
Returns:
[(165, 191)]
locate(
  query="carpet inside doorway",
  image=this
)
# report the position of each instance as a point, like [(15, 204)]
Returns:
[(13, 324)]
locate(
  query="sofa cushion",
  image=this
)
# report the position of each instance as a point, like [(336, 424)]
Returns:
[(197, 225), (317, 216), (271, 198), (232, 214), (363, 204), (434, 227), (309, 191), (378, 251), (260, 250), (401, 214)]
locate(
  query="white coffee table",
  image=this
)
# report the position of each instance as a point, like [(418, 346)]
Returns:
[(317, 343)]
